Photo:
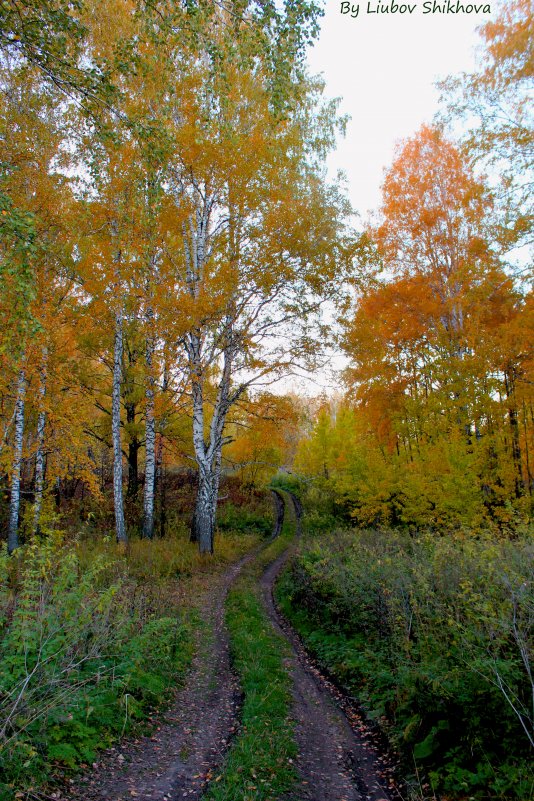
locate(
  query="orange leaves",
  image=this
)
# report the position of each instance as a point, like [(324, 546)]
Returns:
[(433, 208), (440, 370)]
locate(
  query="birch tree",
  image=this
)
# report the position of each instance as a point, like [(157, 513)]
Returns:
[(263, 244)]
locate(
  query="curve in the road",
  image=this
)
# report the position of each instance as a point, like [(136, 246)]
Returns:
[(175, 760)]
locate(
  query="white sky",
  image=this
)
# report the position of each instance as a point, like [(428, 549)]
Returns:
[(384, 67)]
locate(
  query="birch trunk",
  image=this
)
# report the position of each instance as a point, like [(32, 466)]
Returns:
[(120, 527), (150, 440), (205, 509), (160, 456), (14, 502), (209, 455), (39, 456)]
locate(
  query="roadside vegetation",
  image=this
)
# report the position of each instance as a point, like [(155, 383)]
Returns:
[(95, 639), (432, 634)]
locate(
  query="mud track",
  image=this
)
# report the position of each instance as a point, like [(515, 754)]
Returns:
[(175, 760)]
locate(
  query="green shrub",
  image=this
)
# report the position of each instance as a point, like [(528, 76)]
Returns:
[(432, 633), (239, 519)]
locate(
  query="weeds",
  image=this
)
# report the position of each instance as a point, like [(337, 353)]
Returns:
[(91, 640), (433, 634)]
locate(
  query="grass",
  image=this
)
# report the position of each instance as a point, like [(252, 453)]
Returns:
[(173, 557), (259, 765)]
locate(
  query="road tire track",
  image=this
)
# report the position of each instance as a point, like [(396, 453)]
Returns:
[(337, 759)]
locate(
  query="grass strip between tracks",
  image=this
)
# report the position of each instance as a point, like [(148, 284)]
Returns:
[(259, 765)]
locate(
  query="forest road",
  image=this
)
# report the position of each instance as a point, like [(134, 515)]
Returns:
[(190, 740), (337, 760)]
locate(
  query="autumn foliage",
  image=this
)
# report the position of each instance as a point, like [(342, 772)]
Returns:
[(437, 427), (168, 238)]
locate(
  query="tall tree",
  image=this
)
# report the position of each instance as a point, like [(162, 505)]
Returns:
[(262, 238), (427, 344)]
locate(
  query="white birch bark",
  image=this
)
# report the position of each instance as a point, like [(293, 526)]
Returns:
[(14, 503), (208, 454), (150, 434), (39, 455), (120, 527), (118, 349)]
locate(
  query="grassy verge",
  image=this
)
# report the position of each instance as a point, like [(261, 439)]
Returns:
[(259, 765), (92, 642)]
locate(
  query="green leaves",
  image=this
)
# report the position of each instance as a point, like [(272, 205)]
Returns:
[(17, 250), (50, 35)]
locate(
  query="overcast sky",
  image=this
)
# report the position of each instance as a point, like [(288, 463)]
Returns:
[(384, 66)]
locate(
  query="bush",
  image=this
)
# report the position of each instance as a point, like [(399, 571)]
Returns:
[(239, 519), (432, 633)]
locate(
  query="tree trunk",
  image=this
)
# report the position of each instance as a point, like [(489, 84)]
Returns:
[(160, 472), (120, 527), (39, 455), (14, 503), (204, 518), (150, 443), (514, 429), (133, 455)]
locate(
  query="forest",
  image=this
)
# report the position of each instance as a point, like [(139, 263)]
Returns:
[(213, 586)]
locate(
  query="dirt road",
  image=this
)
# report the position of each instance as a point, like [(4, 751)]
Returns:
[(337, 759), (174, 761)]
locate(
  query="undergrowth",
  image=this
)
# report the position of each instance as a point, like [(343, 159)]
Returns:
[(259, 765), (433, 635), (92, 640)]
